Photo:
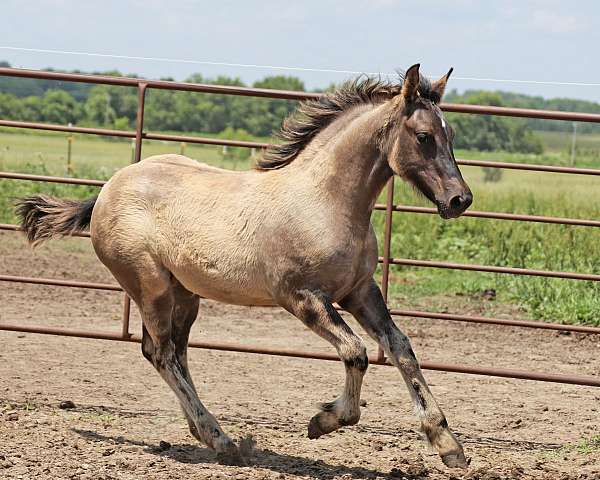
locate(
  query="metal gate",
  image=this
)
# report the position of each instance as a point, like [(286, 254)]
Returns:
[(139, 135)]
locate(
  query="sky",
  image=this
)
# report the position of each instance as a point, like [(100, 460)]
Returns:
[(543, 41)]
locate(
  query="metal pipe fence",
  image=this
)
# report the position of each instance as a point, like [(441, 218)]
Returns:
[(139, 135)]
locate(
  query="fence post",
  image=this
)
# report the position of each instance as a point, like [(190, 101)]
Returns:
[(139, 122), (387, 240), (573, 145), (69, 149), (182, 146), (137, 154)]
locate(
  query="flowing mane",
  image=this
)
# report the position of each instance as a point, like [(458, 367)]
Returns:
[(312, 116)]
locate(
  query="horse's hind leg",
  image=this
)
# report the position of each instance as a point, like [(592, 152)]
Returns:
[(184, 315), (156, 292), (316, 312), (185, 311)]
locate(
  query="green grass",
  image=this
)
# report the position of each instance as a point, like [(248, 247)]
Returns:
[(584, 447), (465, 240), (561, 141), (98, 155)]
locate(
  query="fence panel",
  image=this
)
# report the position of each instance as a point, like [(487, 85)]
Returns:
[(139, 135)]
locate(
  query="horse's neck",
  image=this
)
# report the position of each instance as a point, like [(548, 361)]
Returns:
[(345, 164)]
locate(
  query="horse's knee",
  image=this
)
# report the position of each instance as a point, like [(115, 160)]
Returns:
[(356, 356)]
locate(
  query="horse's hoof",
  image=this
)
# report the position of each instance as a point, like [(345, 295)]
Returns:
[(456, 460), (322, 423), (229, 454), (247, 445), (314, 429)]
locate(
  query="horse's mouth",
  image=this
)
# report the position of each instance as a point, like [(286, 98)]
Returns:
[(457, 205), (448, 213)]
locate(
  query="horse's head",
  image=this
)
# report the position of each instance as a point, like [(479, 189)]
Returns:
[(418, 144)]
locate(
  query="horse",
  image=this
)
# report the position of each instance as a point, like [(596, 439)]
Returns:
[(295, 231)]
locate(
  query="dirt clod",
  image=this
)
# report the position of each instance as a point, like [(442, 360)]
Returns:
[(162, 446), (66, 405), (12, 416)]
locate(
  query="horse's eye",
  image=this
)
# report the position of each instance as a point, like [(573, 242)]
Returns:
[(422, 138)]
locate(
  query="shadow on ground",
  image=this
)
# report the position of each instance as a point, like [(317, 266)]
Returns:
[(277, 462)]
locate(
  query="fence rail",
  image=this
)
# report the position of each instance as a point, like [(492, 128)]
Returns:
[(139, 135)]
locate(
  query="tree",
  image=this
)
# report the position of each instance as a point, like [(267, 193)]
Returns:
[(32, 109), (97, 108), (266, 116), (58, 106), (520, 100), (280, 82), (11, 107)]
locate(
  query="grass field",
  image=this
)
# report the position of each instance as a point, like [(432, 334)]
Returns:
[(94, 154), (468, 240)]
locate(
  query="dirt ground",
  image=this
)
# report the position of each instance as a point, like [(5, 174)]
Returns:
[(127, 424)]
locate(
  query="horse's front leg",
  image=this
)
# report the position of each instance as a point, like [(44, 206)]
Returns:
[(368, 307), (317, 313)]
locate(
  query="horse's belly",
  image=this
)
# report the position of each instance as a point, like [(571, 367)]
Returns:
[(223, 284)]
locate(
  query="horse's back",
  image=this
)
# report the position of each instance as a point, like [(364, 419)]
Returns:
[(182, 161), (163, 179)]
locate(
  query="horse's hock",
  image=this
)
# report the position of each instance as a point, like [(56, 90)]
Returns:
[(388, 207)]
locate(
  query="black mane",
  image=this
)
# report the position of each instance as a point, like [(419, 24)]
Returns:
[(312, 116)]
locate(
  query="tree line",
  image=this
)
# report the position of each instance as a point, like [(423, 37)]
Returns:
[(247, 117), (166, 110)]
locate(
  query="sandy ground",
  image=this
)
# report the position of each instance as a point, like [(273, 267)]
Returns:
[(126, 423)]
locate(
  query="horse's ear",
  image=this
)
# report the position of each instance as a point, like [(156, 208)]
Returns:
[(410, 86), (439, 86)]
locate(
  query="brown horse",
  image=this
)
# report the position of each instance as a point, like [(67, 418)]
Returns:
[(294, 232)]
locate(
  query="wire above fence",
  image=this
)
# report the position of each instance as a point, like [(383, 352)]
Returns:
[(283, 94), (287, 67)]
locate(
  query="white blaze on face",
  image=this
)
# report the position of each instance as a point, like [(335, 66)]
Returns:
[(439, 113)]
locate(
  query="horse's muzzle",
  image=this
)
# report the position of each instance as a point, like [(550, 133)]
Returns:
[(456, 206)]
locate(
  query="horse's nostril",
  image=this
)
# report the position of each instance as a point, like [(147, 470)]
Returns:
[(468, 200), (456, 202)]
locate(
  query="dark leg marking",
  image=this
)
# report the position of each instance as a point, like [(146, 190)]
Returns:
[(360, 363), (420, 398)]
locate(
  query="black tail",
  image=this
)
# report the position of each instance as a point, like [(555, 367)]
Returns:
[(44, 217)]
